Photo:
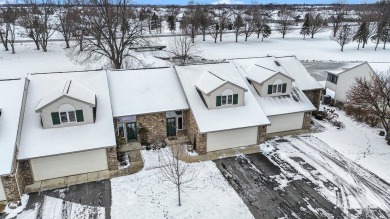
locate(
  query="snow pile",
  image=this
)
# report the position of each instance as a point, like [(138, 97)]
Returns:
[(12, 213), (145, 195)]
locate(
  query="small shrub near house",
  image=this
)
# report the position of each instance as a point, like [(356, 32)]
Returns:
[(331, 116)]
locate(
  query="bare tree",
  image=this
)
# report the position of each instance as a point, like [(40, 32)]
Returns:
[(66, 17), (46, 25), (114, 31), (174, 168), (10, 15), (344, 35), (30, 22), (338, 18), (249, 28), (316, 24), (3, 32), (205, 21), (286, 21), (373, 96), (238, 25), (190, 22), (182, 47), (214, 31)]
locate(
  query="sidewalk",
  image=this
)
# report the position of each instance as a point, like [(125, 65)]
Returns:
[(136, 164)]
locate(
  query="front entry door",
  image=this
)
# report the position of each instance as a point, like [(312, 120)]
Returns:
[(131, 129), (171, 127)]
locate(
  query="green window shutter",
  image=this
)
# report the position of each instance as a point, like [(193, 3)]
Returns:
[(56, 118), (80, 116), (218, 101), (235, 98), (284, 88), (269, 89)]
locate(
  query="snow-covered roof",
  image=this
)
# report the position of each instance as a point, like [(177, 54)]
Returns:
[(210, 120), (68, 88), (39, 142), (345, 67), (297, 71), (145, 91), (261, 74), (10, 106), (277, 105), (209, 82), (289, 66)]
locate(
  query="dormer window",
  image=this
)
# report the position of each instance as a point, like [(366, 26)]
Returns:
[(227, 98), (67, 113), (277, 87)]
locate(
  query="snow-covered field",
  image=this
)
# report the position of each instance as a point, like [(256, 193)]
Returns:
[(145, 195)]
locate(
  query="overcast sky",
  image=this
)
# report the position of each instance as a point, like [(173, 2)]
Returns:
[(184, 2)]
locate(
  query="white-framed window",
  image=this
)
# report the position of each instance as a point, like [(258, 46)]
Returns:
[(227, 97), (67, 113), (178, 115), (277, 87)]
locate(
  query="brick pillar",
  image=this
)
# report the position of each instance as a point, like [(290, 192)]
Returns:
[(262, 132), (306, 120), (201, 143), (112, 158)]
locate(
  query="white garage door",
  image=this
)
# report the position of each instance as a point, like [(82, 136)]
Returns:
[(231, 138), (286, 122), (69, 164), (2, 193)]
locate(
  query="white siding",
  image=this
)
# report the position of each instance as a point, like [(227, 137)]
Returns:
[(211, 100), (2, 193), (231, 138), (69, 164), (46, 113), (347, 79), (285, 122)]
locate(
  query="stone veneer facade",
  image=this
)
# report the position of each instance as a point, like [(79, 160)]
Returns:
[(14, 184), (262, 132), (306, 120), (314, 96), (156, 125), (198, 140), (112, 158)]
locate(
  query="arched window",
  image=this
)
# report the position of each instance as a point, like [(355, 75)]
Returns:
[(67, 113), (227, 97)]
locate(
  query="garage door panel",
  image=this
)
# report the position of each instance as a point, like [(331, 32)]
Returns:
[(69, 164), (2, 193), (286, 122), (231, 138)]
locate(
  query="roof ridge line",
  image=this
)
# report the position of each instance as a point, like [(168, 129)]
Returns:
[(216, 76)]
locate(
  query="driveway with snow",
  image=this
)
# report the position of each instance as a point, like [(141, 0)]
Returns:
[(269, 193)]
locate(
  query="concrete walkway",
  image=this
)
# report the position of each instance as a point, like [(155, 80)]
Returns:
[(136, 164), (231, 152)]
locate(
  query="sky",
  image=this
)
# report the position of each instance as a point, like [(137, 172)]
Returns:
[(184, 2)]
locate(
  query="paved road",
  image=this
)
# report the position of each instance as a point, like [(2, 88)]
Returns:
[(253, 177)]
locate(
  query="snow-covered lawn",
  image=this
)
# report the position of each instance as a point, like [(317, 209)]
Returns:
[(145, 195), (360, 143)]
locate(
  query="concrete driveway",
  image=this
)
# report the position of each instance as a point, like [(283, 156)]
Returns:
[(253, 177)]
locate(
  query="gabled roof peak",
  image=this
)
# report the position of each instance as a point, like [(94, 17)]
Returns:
[(70, 89), (209, 81)]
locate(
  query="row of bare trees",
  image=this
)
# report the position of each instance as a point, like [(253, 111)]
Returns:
[(373, 24)]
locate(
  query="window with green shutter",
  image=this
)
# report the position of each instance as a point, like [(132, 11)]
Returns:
[(55, 116), (235, 98), (79, 116), (218, 103), (284, 88), (269, 89)]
